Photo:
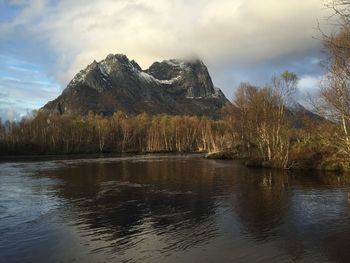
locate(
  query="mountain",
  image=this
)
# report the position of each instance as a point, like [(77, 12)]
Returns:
[(116, 83)]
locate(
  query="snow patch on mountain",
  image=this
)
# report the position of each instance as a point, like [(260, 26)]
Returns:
[(149, 78)]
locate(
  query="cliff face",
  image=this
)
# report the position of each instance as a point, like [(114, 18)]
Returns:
[(116, 83)]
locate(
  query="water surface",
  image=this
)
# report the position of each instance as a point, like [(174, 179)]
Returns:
[(170, 208)]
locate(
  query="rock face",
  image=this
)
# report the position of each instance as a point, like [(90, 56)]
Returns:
[(116, 83)]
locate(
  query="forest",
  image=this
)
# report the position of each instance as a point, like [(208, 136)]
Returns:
[(258, 127)]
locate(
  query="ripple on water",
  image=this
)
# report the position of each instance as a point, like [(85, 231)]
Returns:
[(169, 209)]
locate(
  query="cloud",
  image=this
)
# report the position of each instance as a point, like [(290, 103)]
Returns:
[(23, 87), (239, 40)]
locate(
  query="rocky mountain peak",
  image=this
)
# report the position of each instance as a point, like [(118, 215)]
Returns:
[(192, 76), (116, 83)]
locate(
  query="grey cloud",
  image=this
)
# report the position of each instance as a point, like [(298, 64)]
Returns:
[(6, 104), (30, 90), (16, 2), (231, 75), (3, 95)]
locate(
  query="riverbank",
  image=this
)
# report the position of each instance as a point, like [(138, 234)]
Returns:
[(321, 161), (315, 161), (76, 156)]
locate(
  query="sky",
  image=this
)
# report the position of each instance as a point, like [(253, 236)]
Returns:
[(44, 43)]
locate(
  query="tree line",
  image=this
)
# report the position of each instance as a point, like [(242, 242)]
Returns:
[(54, 133)]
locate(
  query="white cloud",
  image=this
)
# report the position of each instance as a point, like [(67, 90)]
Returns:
[(308, 88), (226, 34), (309, 83)]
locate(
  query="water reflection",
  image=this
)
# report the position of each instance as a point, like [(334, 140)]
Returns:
[(262, 202), (124, 199), (181, 208)]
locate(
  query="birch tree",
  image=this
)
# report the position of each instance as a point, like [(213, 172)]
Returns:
[(334, 100)]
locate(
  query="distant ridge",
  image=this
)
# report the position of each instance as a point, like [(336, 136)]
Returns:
[(176, 87)]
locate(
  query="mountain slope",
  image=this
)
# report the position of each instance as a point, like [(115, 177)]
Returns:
[(116, 83)]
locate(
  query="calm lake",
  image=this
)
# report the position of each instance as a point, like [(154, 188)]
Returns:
[(170, 208)]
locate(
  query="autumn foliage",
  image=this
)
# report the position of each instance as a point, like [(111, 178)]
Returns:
[(44, 134)]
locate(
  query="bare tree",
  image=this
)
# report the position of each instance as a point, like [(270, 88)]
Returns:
[(262, 120), (334, 101)]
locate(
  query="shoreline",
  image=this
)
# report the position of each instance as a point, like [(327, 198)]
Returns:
[(66, 156), (323, 165), (335, 167)]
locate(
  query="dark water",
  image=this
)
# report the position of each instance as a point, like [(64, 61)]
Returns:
[(170, 208)]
